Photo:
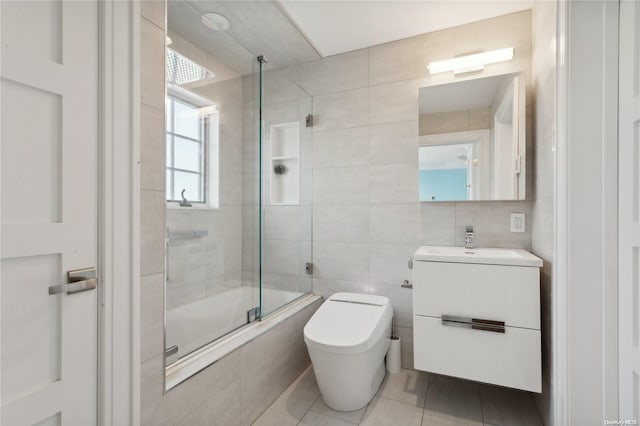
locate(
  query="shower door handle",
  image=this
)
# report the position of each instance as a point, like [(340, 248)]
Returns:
[(78, 281)]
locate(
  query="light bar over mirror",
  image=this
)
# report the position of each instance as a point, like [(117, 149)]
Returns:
[(471, 63)]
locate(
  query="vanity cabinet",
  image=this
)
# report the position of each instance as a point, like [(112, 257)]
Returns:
[(477, 318)]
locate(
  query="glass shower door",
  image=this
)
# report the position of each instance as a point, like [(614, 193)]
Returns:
[(212, 207), (286, 187)]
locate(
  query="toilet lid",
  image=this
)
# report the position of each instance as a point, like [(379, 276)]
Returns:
[(348, 323)]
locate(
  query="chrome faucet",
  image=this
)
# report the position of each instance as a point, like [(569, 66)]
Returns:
[(184, 202), (468, 237)]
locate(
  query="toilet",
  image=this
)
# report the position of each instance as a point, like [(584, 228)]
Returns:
[(347, 338)]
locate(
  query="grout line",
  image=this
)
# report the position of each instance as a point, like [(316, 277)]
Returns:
[(537, 410), (308, 409), (481, 405), (424, 406)]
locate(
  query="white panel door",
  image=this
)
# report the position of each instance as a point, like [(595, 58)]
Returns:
[(49, 146), (629, 210)]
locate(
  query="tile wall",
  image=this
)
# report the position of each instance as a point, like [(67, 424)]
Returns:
[(455, 121), (544, 72), (367, 221)]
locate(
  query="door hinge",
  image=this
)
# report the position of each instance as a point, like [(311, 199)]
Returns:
[(309, 120), (308, 268)]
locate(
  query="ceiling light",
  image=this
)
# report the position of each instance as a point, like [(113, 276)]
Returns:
[(470, 63), (215, 21)]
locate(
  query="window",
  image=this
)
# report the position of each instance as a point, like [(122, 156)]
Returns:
[(191, 153)]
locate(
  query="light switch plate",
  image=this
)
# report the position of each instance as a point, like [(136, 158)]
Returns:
[(517, 222)]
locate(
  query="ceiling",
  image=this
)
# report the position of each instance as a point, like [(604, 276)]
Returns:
[(440, 157), (290, 32), (337, 26), (460, 96), (257, 28)]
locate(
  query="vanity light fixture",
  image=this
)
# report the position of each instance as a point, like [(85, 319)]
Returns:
[(471, 63)]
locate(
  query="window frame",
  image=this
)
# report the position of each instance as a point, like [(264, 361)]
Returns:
[(171, 134)]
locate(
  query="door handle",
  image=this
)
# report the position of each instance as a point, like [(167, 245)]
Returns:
[(78, 281)]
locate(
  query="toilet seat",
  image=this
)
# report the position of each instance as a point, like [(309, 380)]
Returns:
[(348, 323)]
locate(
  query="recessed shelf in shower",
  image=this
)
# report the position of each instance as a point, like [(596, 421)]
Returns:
[(285, 163)]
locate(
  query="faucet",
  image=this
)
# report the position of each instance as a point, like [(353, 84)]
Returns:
[(184, 202), (468, 237)]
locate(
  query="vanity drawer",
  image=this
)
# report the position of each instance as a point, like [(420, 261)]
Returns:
[(510, 294), (509, 359)]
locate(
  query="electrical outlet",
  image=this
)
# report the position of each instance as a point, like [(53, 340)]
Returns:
[(517, 222)]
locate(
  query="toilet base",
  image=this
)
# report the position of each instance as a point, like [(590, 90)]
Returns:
[(348, 382), (356, 404)]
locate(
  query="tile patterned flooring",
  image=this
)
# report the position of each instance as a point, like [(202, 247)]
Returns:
[(410, 398)]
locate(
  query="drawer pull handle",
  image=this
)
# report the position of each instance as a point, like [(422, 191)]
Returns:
[(473, 323)]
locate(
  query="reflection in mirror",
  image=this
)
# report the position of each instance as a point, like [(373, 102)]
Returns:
[(473, 140)]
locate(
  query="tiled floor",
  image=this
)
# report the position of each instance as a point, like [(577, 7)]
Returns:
[(411, 398)]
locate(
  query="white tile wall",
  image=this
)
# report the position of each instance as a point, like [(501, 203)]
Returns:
[(438, 222), (152, 78), (281, 256), (341, 185), (388, 263), (393, 142), (336, 73), (152, 232), (341, 261), (492, 223), (341, 110), (152, 314), (544, 67), (339, 148), (394, 183), (325, 287), (347, 223), (152, 173), (284, 222), (390, 103), (394, 223), (408, 59)]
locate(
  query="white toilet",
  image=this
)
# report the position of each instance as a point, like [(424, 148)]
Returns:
[(347, 339)]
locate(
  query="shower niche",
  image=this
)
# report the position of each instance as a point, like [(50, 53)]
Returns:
[(285, 163)]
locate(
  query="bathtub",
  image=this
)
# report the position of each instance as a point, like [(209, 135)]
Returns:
[(192, 326), (203, 330)]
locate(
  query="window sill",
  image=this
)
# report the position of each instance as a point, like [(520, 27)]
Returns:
[(177, 206)]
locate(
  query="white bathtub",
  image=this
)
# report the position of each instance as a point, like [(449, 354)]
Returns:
[(192, 326)]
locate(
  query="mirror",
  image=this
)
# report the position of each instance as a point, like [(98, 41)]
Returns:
[(473, 140)]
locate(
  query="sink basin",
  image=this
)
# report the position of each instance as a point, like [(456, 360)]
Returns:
[(489, 256)]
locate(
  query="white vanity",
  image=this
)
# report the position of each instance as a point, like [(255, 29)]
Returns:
[(476, 315)]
